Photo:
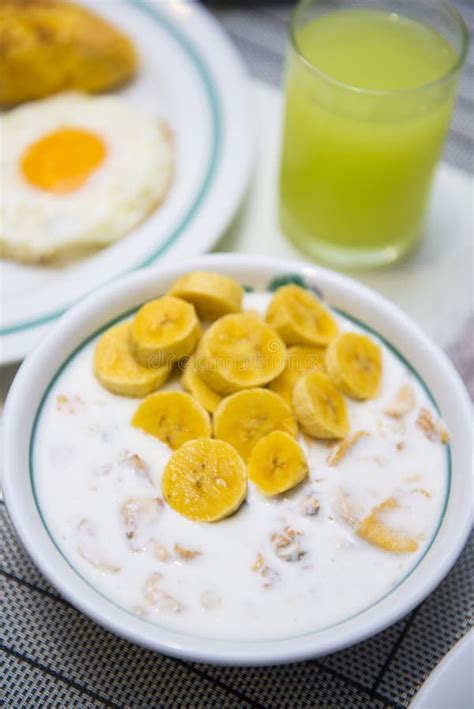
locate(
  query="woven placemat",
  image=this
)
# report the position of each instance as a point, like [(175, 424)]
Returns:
[(54, 656)]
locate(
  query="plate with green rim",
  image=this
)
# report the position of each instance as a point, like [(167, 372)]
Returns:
[(192, 77)]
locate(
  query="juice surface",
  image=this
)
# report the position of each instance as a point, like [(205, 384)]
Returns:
[(356, 167), (372, 49)]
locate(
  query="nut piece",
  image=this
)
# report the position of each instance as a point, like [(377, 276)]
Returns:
[(259, 563), (87, 545), (344, 446), (443, 435), (373, 530), (186, 554), (422, 491), (286, 545), (159, 599), (433, 430), (140, 516), (268, 574), (68, 404), (160, 552), (402, 404), (310, 505), (346, 510), (137, 465)]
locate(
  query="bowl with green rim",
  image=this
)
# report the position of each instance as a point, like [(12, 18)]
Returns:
[(363, 306)]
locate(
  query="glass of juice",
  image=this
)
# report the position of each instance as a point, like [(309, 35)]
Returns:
[(370, 87)]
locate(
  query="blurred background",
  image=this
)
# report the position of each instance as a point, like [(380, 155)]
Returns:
[(259, 30)]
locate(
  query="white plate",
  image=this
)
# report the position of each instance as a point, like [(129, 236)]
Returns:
[(191, 76), (451, 683)]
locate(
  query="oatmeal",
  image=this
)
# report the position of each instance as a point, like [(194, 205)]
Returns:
[(360, 514)]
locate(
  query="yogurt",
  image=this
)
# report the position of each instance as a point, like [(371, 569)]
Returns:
[(279, 567)]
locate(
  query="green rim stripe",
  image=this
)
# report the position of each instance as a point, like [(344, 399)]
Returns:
[(217, 131), (352, 319)]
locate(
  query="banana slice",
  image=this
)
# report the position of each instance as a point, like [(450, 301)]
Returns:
[(354, 363), (164, 330), (240, 351), (243, 418), (212, 294), (277, 463), (299, 318), (118, 371), (205, 480), (172, 416), (376, 532), (300, 360), (195, 384), (319, 407)]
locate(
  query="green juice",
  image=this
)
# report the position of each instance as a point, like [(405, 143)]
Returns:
[(361, 139)]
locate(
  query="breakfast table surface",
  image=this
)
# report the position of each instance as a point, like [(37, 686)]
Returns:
[(54, 656)]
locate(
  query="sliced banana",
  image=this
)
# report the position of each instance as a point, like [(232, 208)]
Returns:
[(212, 294), (240, 351), (354, 363), (277, 463), (118, 371), (375, 531), (205, 480), (299, 318), (244, 418), (172, 416), (319, 407), (300, 360), (195, 384), (164, 330)]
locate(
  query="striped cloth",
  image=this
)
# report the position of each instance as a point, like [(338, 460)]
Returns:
[(52, 656)]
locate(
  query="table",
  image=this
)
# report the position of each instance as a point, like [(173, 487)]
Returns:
[(55, 657)]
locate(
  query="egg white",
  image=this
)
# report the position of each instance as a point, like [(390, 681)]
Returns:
[(37, 225)]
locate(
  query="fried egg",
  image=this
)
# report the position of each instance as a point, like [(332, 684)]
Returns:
[(78, 173)]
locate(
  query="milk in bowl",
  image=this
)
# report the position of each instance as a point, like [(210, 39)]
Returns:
[(242, 466)]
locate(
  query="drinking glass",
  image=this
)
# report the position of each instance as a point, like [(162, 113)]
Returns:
[(364, 127)]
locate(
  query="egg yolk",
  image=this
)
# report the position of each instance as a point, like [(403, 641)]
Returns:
[(62, 161)]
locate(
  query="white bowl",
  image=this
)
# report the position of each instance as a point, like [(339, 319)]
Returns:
[(110, 302)]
